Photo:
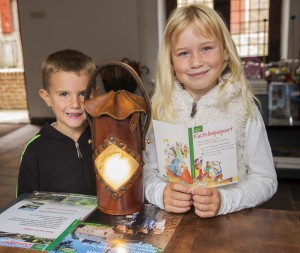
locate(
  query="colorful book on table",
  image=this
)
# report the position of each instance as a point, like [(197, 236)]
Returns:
[(38, 220), (203, 155), (146, 231)]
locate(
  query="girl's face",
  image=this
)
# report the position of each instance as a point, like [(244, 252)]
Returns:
[(197, 61)]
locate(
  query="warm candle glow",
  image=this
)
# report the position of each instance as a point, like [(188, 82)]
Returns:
[(115, 166), (121, 249), (116, 170)]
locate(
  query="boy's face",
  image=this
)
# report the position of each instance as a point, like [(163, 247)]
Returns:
[(65, 96)]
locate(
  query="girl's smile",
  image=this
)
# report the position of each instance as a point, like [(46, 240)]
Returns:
[(199, 74)]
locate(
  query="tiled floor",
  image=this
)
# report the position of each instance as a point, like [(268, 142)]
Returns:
[(11, 147), (13, 143)]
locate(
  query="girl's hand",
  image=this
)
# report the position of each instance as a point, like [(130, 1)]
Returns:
[(177, 198), (207, 201)]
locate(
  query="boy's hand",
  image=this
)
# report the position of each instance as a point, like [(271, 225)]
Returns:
[(177, 198), (207, 201)]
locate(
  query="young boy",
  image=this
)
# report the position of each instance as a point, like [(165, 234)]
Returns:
[(59, 157)]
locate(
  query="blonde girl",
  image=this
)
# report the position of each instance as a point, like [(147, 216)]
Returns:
[(200, 79)]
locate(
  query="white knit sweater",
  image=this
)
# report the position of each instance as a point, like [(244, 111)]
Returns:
[(209, 111), (257, 176)]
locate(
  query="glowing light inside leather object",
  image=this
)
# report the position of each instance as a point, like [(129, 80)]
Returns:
[(119, 121), (115, 166)]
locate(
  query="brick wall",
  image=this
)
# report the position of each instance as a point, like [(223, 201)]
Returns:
[(12, 89)]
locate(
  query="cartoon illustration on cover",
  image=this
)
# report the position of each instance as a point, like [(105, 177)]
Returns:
[(177, 170), (203, 155), (176, 162)]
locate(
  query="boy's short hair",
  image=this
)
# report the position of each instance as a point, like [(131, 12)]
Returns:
[(68, 60)]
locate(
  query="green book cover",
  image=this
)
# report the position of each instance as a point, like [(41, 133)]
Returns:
[(204, 155)]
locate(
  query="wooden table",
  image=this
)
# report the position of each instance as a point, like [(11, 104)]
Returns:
[(253, 230)]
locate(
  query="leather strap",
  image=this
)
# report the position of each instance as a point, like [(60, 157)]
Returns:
[(92, 83)]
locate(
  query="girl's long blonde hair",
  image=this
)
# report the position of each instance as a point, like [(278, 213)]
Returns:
[(207, 22)]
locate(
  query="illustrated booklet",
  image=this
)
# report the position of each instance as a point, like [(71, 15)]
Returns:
[(38, 220), (146, 231), (203, 155)]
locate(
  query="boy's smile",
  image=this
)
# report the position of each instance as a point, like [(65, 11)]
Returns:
[(65, 96)]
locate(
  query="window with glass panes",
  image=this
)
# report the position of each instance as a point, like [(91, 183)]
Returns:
[(187, 2), (249, 24)]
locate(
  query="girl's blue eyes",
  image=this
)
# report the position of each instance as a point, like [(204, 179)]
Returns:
[(205, 49), (183, 53)]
